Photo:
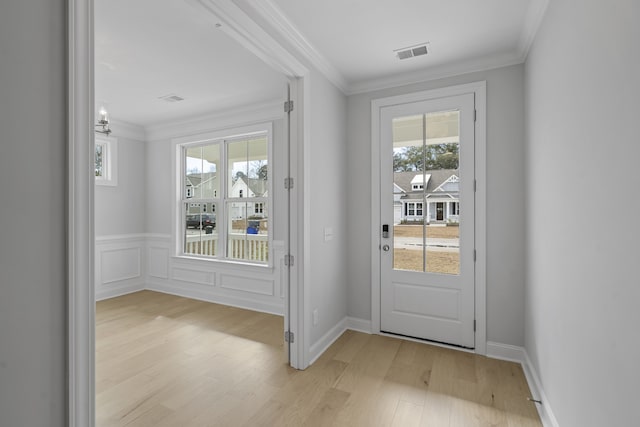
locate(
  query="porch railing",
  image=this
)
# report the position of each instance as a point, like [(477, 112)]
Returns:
[(249, 247)]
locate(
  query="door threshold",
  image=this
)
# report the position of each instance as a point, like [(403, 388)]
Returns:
[(430, 342)]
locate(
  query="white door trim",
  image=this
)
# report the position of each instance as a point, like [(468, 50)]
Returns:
[(81, 229), (479, 90), (80, 225)]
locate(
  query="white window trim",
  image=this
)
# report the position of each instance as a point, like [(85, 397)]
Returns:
[(109, 161), (222, 136)]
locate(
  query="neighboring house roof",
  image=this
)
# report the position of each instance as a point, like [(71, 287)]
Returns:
[(421, 178), (397, 189), (437, 178), (197, 178), (257, 186)]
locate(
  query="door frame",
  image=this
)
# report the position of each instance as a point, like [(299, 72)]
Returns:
[(80, 191), (479, 89)]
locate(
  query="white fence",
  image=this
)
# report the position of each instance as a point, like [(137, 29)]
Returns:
[(250, 247)]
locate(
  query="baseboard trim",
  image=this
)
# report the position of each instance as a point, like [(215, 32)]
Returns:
[(511, 353), (216, 299), (359, 325), (319, 347), (519, 355), (117, 291), (544, 410)]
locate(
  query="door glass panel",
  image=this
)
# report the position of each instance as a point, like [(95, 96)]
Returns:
[(426, 199)]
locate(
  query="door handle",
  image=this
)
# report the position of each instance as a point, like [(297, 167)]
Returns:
[(385, 248)]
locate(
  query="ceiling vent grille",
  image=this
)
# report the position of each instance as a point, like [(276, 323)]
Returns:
[(171, 98), (412, 51)]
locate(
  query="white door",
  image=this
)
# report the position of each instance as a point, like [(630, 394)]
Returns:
[(427, 261)]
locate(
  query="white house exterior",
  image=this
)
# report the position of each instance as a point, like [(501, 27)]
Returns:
[(432, 196), (249, 188), (201, 186)]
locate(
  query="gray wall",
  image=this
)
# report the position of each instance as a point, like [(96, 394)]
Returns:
[(328, 198), (505, 198), (157, 182), (122, 209), (32, 213), (582, 317)]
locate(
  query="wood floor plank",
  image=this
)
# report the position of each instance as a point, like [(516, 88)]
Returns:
[(168, 361), (326, 410), (407, 415)]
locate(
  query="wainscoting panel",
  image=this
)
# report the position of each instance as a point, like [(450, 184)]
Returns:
[(246, 284), (157, 265), (190, 275), (133, 262), (119, 265)]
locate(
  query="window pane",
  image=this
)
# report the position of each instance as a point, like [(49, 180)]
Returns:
[(258, 167), (99, 170), (193, 172), (210, 183), (426, 195), (443, 237), (248, 235), (237, 168), (248, 168), (201, 231)]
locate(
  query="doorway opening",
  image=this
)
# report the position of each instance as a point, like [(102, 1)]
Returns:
[(84, 267)]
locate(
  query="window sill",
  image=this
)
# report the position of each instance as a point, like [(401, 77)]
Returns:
[(224, 263)]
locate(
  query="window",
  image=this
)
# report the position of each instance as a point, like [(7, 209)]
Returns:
[(413, 209), (105, 161), (417, 187), (230, 182)]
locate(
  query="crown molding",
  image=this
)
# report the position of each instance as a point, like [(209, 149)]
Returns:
[(127, 130), (234, 22), (532, 22), (254, 113), (279, 22), (285, 28), (436, 73)]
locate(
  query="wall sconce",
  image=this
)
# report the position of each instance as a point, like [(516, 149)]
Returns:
[(103, 122)]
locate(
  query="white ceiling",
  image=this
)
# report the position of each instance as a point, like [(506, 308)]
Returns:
[(145, 49), (358, 37)]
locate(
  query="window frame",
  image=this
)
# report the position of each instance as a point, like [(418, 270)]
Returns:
[(222, 198), (109, 160)]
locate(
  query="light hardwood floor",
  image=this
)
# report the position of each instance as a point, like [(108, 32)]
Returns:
[(163, 361)]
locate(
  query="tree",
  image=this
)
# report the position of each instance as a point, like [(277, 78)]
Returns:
[(430, 157), (238, 175), (259, 169), (263, 172)]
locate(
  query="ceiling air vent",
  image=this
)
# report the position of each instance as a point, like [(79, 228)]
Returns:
[(410, 52), (171, 98)]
